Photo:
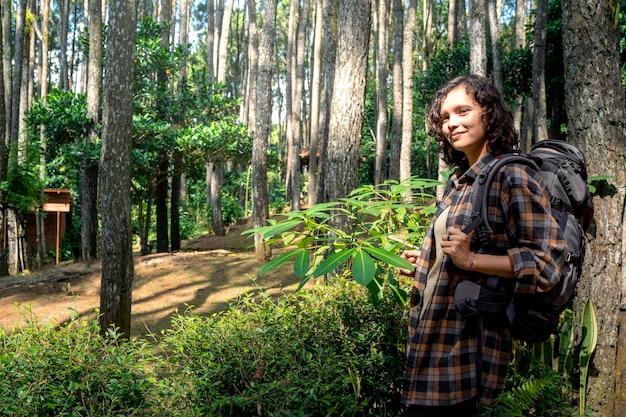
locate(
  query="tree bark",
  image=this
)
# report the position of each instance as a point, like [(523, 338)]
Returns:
[(456, 21), (407, 86), (397, 15), (117, 139), (494, 34), (348, 102), (478, 35), (316, 91), (263, 125), (4, 265), (540, 122), (89, 177), (223, 42), (290, 69), (328, 82), (64, 77), (594, 101), (380, 169), (298, 107)]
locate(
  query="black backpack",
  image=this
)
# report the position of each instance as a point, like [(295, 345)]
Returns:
[(535, 317)]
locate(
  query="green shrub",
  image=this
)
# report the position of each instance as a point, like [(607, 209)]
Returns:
[(329, 350), (71, 370)]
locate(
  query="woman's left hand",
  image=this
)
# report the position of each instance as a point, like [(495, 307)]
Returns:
[(456, 245)]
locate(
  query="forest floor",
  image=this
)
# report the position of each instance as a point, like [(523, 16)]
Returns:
[(207, 274)]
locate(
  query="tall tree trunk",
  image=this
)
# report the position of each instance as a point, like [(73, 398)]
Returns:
[(16, 88), (210, 38), (456, 21), (217, 173), (117, 139), (539, 74), (177, 158), (216, 178), (494, 34), (478, 35), (162, 184), (428, 14), (397, 16), (64, 76), (348, 102), (298, 107), (253, 63), (519, 41), (289, 93), (328, 83), (223, 41), (89, 177), (407, 95), (316, 87), (7, 56), (4, 265), (263, 127), (13, 227), (42, 76), (380, 169), (594, 101)]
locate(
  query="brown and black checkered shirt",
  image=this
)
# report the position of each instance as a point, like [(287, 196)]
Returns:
[(442, 347)]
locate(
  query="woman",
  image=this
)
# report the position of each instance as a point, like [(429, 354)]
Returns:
[(451, 369)]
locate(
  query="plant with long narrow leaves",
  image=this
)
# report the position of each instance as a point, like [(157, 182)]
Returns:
[(383, 223)]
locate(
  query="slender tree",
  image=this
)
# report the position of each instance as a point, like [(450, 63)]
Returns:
[(263, 125), (594, 101), (289, 92), (382, 71), (297, 136), (407, 95), (316, 90), (493, 17), (456, 21), (329, 49), (348, 101), (177, 157), (89, 177), (540, 122), (117, 138), (64, 29), (478, 36), (4, 265), (162, 183), (397, 15)]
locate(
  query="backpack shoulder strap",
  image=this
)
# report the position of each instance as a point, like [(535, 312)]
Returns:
[(481, 193)]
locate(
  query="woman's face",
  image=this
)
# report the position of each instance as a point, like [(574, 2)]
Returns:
[(462, 124)]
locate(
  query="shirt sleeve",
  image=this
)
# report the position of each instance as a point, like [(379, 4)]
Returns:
[(539, 253)]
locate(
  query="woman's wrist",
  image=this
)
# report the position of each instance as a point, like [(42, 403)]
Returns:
[(470, 262)]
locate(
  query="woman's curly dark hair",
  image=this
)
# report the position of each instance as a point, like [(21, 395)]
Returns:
[(500, 130)]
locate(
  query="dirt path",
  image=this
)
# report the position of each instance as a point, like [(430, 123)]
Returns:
[(207, 274)]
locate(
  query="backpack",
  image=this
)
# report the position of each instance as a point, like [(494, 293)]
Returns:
[(534, 317)]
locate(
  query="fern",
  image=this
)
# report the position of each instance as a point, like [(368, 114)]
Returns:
[(524, 399)]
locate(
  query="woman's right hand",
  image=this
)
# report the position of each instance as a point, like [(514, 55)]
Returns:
[(411, 256)]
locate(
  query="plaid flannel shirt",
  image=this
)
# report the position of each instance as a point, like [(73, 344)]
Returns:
[(442, 347)]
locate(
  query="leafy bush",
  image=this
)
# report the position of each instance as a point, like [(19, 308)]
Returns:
[(382, 223), (71, 370), (330, 350)]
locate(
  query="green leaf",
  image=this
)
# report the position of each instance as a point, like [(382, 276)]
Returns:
[(273, 230), (333, 262), (588, 345), (388, 257), (302, 263), (363, 268), (276, 262)]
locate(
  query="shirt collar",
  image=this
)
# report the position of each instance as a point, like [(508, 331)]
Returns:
[(472, 173)]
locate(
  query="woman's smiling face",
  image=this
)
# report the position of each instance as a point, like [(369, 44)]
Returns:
[(462, 123)]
